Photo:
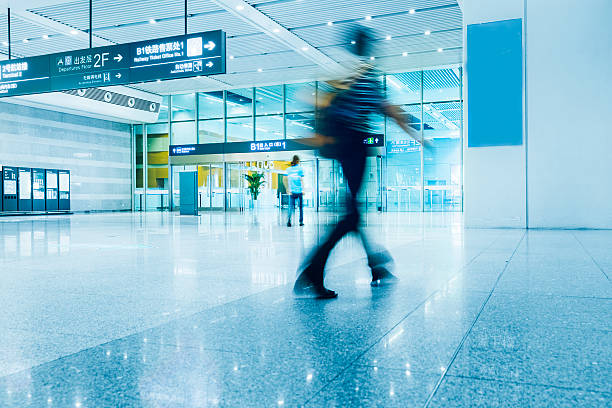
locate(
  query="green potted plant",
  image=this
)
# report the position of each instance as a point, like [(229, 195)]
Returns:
[(255, 180)]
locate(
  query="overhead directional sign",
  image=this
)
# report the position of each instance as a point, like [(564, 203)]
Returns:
[(279, 145), (181, 56), (101, 66), (178, 57), (24, 76)]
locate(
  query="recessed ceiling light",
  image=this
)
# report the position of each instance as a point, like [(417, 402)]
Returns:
[(330, 23), (304, 48), (412, 11), (239, 7), (427, 32), (440, 50), (74, 32), (4, 43), (388, 37), (353, 42), (25, 40), (368, 17), (152, 21), (404, 54), (372, 58), (45, 37), (259, 69), (232, 57), (276, 30)]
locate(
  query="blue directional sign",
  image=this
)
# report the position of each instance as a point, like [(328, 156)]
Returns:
[(280, 145), (180, 56), (102, 66), (24, 76)]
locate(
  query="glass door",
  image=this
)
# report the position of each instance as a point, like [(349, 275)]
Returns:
[(326, 184), (236, 186), (370, 195), (210, 186), (309, 185)]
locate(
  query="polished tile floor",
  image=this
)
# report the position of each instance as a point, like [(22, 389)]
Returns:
[(159, 310)]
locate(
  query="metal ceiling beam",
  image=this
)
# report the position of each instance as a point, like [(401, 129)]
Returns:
[(256, 18)]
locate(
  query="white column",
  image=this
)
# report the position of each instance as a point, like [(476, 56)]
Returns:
[(494, 177)]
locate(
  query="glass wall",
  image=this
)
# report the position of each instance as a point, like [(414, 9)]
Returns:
[(404, 155), (405, 177), (137, 131), (211, 125), (158, 144), (240, 115), (442, 110)]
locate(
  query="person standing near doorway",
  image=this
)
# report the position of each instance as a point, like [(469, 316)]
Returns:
[(295, 177)]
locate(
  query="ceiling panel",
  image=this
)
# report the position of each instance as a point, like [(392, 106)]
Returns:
[(256, 44), (396, 47), (75, 14), (133, 33), (226, 21), (395, 26), (177, 86), (298, 13), (274, 61), (109, 14), (273, 76), (36, 45)]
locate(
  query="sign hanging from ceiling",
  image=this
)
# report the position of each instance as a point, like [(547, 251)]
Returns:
[(181, 56)]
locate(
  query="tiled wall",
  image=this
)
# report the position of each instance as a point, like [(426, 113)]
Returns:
[(96, 152)]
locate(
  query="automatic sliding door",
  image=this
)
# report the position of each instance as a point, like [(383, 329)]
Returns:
[(327, 184), (369, 197), (210, 186), (236, 198)]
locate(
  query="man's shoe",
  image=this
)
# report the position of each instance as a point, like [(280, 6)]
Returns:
[(381, 276), (324, 293), (301, 224), (289, 223), (303, 287)]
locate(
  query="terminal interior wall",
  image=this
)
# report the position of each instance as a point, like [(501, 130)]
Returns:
[(97, 153)]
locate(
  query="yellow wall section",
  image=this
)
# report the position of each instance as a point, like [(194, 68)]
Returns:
[(154, 173), (158, 158)]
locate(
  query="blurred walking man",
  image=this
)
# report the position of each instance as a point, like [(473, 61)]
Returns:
[(346, 117)]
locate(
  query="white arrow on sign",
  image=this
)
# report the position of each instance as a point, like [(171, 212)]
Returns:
[(118, 75), (209, 64), (119, 57), (210, 46)]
